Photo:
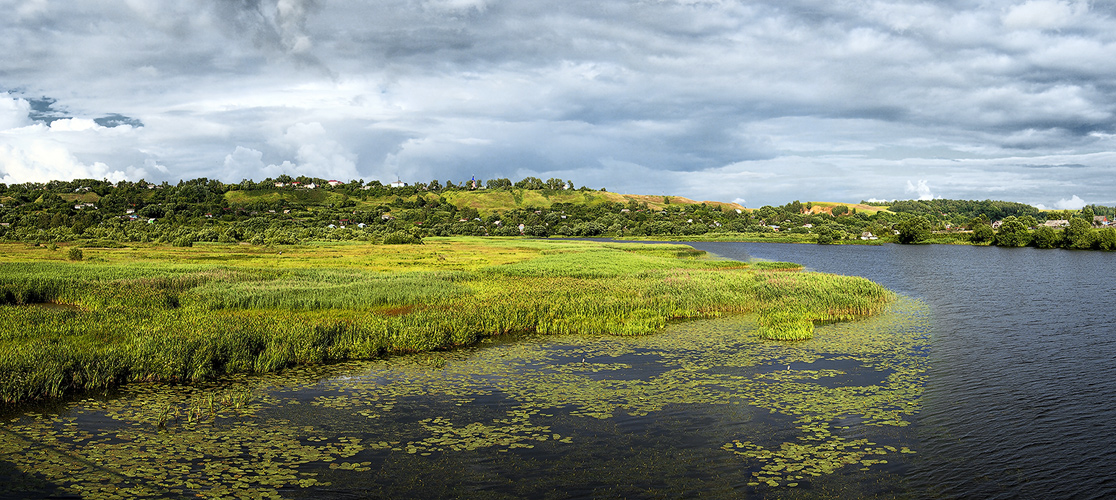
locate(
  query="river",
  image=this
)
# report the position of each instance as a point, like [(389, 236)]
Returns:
[(991, 377), (1018, 401)]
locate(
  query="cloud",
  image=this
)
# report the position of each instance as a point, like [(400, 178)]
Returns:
[(767, 101), (922, 190), (13, 112), (457, 5), (1074, 203), (1044, 14), (43, 161), (244, 162)]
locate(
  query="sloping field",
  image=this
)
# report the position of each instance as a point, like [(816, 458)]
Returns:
[(828, 206)]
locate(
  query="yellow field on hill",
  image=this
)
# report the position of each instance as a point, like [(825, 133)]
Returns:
[(827, 207), (485, 201)]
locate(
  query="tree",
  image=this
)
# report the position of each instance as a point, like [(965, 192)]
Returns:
[(914, 230), (498, 183), (1079, 235), (1106, 238), (1012, 234), (839, 210), (982, 232), (825, 235), (530, 183), (1045, 237)]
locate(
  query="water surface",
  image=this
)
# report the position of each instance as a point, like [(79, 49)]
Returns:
[(1022, 374)]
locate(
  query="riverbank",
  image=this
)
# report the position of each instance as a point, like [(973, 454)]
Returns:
[(943, 238), (148, 312)]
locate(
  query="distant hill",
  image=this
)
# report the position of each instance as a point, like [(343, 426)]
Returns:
[(485, 201), (296, 210)]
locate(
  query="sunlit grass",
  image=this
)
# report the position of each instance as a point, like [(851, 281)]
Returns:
[(187, 314)]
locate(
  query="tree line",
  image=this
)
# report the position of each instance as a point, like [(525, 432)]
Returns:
[(285, 210)]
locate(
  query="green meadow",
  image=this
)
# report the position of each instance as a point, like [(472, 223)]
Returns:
[(148, 312)]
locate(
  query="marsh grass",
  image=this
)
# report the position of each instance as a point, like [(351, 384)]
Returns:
[(177, 320)]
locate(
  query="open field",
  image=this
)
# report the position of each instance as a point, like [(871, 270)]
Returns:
[(819, 207), (485, 201), (151, 312)]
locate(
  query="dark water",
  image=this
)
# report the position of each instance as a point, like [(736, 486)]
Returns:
[(1020, 399)]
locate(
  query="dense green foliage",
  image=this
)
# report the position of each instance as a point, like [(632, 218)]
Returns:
[(914, 230), (287, 211), (964, 210)]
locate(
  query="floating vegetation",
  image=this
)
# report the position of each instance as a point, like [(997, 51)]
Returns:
[(774, 415)]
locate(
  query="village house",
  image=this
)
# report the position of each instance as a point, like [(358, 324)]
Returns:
[(1056, 223), (398, 184), (334, 183)]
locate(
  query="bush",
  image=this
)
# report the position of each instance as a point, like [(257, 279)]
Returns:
[(536, 231), (75, 254), (1106, 238), (401, 238), (1045, 237), (914, 230), (982, 233)]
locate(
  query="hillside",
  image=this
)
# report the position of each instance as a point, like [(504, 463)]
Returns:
[(292, 211), (826, 207)]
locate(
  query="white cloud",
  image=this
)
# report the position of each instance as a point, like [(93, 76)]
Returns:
[(43, 161), (1074, 203), (73, 125), (244, 162), (13, 112), (922, 190), (1044, 14)]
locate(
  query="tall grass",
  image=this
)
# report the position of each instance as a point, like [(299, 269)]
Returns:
[(193, 322)]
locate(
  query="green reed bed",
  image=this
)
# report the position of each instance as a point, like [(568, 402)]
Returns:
[(188, 323)]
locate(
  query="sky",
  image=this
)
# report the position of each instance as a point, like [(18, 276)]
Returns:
[(759, 102)]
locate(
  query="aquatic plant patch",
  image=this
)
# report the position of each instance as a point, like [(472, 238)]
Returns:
[(502, 415)]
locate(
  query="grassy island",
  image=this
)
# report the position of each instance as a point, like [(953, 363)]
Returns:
[(150, 312)]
